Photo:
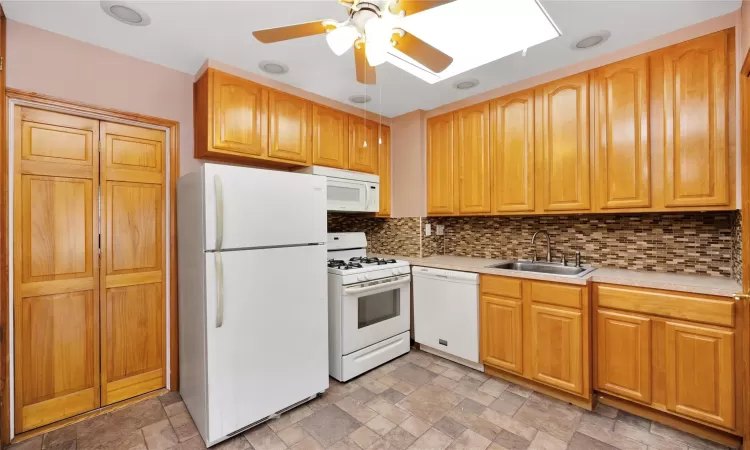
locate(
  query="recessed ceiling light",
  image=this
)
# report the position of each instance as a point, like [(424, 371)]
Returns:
[(126, 13), (591, 41), (273, 67), (360, 98), (466, 84)]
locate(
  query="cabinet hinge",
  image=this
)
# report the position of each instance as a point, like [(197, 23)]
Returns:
[(741, 297)]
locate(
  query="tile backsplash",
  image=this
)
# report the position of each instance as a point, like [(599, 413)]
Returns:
[(391, 236), (701, 243)]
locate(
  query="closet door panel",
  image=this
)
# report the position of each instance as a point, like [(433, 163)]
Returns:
[(55, 295)]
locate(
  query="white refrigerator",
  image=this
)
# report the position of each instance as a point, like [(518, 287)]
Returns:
[(253, 299)]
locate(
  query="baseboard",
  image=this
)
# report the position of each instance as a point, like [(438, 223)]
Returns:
[(665, 418), (455, 359), (585, 403)]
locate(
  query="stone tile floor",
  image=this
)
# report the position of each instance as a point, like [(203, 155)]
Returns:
[(418, 401)]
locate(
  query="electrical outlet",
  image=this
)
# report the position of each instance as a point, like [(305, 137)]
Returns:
[(440, 230), (428, 230)]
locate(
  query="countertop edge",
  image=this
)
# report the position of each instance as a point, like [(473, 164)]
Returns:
[(688, 283)]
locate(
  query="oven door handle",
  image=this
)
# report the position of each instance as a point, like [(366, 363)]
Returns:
[(377, 287)]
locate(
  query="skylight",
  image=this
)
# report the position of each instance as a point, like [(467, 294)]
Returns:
[(474, 33)]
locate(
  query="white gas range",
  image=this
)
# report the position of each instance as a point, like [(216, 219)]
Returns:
[(368, 307)]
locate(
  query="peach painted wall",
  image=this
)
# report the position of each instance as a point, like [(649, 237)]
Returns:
[(743, 30), (404, 181), (52, 64), (408, 165)]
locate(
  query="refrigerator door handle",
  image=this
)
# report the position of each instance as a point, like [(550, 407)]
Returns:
[(219, 290), (219, 211)]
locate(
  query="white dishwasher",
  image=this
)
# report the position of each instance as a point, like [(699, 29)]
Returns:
[(446, 311)]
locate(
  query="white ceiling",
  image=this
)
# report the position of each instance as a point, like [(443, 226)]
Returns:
[(183, 34)]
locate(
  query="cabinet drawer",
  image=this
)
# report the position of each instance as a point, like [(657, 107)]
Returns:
[(677, 305), (556, 294), (502, 286)]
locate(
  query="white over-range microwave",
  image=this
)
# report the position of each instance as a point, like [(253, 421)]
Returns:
[(349, 191)]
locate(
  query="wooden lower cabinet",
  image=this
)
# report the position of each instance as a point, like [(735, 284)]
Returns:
[(501, 333), (700, 372), (655, 357), (557, 347), (524, 332), (623, 357)]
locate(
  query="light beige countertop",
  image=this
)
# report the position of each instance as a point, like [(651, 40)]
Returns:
[(695, 284)]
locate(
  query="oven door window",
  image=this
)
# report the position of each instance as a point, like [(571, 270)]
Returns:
[(378, 307)]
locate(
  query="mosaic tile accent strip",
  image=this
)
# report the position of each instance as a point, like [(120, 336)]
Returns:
[(687, 243), (394, 236), (737, 247)]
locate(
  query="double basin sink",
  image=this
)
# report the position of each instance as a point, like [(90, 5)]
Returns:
[(544, 267)]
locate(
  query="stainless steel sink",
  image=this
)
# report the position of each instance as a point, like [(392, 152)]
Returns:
[(544, 267)]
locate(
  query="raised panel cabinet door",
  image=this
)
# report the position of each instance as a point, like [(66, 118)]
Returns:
[(700, 372), (557, 347), (623, 153), (473, 159), (363, 145), (384, 171), (55, 295), (240, 115), (512, 151), (132, 282), (695, 123), (289, 127), (624, 355), (565, 144), (441, 189), (501, 333), (330, 142)]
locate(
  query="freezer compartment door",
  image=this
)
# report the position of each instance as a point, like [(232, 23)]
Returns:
[(269, 348), (248, 208)]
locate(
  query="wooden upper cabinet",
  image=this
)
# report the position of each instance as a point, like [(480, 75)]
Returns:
[(512, 150), (440, 165), (501, 333), (557, 347), (472, 149), (384, 171), (622, 154), (695, 122), (240, 115), (289, 136), (363, 145), (623, 355), (700, 372), (565, 144), (330, 137)]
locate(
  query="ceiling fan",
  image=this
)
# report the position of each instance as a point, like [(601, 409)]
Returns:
[(372, 29)]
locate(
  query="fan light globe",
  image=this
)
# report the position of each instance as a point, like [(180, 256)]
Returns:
[(342, 39), (378, 40)]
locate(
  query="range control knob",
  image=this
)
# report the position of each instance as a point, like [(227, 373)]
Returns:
[(361, 278), (368, 277), (395, 271), (404, 269)]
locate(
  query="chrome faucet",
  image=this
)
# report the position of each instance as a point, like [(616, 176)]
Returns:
[(549, 253)]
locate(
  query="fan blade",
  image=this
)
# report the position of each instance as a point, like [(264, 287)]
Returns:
[(365, 72), (290, 32), (414, 6), (422, 52)]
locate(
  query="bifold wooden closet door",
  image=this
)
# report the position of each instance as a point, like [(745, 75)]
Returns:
[(85, 337)]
